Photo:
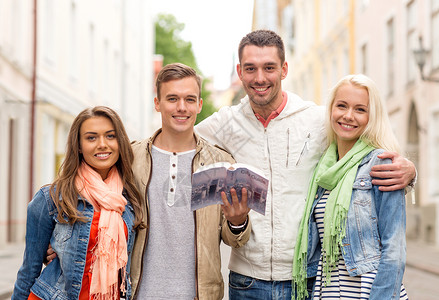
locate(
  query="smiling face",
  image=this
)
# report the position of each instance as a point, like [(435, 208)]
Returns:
[(349, 114), (179, 105), (261, 72), (98, 144)]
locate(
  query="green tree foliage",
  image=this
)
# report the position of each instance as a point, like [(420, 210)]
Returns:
[(169, 43)]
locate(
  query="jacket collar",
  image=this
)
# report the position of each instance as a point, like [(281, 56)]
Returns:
[(198, 140), (294, 104)]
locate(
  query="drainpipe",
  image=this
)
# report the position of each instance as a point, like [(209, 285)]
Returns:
[(122, 56), (33, 102)]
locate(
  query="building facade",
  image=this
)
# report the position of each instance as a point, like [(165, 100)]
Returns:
[(385, 53), (16, 66)]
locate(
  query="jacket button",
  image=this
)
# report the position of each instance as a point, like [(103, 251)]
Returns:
[(362, 183)]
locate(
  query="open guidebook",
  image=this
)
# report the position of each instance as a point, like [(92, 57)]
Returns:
[(209, 181)]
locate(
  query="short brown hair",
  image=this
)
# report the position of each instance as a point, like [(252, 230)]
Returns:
[(176, 71), (263, 38)]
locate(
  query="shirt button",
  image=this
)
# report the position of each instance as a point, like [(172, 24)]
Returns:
[(173, 165), (172, 190), (173, 176), (174, 153)]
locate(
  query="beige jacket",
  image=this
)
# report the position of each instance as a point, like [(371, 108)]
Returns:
[(211, 225)]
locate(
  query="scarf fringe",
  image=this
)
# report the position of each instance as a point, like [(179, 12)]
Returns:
[(299, 282), (333, 243), (106, 251), (112, 294)]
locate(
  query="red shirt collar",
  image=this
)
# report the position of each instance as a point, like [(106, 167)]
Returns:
[(274, 113)]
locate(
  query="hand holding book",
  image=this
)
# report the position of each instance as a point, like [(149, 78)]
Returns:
[(237, 211), (209, 182)]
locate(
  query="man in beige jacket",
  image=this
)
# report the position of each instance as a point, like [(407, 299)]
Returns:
[(177, 255)]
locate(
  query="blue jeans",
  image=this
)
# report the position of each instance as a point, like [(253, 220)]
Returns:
[(244, 287)]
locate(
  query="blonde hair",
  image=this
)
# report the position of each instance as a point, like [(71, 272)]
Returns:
[(378, 132)]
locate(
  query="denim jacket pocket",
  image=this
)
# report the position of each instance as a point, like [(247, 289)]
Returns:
[(62, 231), (361, 191)]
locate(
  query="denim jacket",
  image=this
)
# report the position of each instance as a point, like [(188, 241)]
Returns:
[(62, 278), (375, 233)]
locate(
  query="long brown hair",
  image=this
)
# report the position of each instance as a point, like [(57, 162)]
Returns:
[(63, 190)]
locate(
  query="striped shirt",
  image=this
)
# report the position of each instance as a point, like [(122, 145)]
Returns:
[(342, 285)]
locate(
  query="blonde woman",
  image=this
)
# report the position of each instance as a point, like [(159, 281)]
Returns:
[(351, 239)]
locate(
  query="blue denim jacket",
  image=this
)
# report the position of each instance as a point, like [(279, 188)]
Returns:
[(375, 233), (62, 278)]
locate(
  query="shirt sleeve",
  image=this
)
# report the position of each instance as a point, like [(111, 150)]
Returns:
[(39, 228)]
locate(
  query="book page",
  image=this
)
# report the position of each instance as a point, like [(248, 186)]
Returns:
[(207, 186), (255, 185), (208, 183)]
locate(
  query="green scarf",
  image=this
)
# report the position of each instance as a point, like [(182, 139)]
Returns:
[(337, 177)]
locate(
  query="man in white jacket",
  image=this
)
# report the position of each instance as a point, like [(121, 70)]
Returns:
[(284, 136)]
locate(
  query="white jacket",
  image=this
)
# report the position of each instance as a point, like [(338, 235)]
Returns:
[(287, 151)]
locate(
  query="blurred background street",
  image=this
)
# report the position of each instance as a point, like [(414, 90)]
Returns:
[(59, 56)]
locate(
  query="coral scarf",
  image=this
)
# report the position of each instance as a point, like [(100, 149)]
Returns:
[(111, 251)]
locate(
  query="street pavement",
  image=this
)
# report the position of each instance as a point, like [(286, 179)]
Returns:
[(421, 277)]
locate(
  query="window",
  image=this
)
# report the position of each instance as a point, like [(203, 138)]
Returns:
[(288, 26), (390, 49), (345, 8), (117, 80), (91, 58), (346, 65), (73, 60), (106, 73), (364, 4), (17, 30), (435, 33), (334, 71), (412, 41), (364, 59), (434, 151), (49, 31), (325, 85), (323, 18)]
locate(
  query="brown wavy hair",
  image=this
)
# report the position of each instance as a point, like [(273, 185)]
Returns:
[(63, 190)]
